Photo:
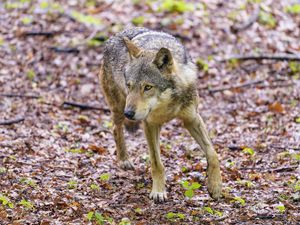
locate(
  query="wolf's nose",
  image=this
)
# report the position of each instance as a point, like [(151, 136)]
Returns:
[(129, 114)]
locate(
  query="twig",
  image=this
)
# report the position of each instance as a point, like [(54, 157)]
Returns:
[(12, 95), (214, 90), (241, 147), (64, 50), (285, 147), (84, 106), (47, 34), (240, 27), (276, 86), (236, 147), (278, 57), (10, 122), (265, 216), (280, 169)]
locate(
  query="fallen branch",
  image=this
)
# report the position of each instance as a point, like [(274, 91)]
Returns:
[(241, 147), (236, 147), (10, 122), (240, 27), (246, 84), (84, 106), (47, 34), (282, 169), (278, 57), (12, 95), (64, 50), (276, 86), (265, 216), (278, 170), (285, 147)]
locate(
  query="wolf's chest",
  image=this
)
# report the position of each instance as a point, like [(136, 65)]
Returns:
[(163, 114)]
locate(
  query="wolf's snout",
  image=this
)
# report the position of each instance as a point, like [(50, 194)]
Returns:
[(129, 114)]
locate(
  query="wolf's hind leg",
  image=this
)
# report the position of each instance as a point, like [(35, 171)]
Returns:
[(196, 127), (122, 154), (158, 193)]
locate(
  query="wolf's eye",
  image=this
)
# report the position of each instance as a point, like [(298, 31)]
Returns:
[(147, 87), (128, 85)]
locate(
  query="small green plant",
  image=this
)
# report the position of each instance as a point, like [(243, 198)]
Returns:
[(62, 127), (5, 201), (297, 120), (90, 215), (105, 176), (30, 74), (44, 5), (28, 181), (249, 151), (98, 218), (184, 169), (280, 208), (85, 19), (75, 150), (72, 184), (95, 187), (26, 204), (138, 21), (107, 124), (246, 183), (175, 216), (1, 41), (179, 6), (233, 63), (190, 188), (212, 211), (26, 20), (125, 221), (2, 170), (239, 200), (94, 43), (202, 65), (267, 19), (296, 156), (294, 67), (230, 163), (209, 210), (138, 210), (297, 186), (13, 5), (293, 9)]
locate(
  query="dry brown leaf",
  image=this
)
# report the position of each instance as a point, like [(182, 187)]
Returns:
[(276, 107), (98, 149)]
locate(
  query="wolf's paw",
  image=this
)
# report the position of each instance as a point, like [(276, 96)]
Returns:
[(158, 197), (215, 187), (126, 165)]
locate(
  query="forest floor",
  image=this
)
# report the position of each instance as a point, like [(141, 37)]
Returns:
[(58, 163)]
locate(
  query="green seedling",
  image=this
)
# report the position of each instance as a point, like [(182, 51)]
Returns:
[(190, 188), (5, 201), (105, 176), (26, 204)]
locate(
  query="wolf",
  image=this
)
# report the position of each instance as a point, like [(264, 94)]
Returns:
[(148, 76)]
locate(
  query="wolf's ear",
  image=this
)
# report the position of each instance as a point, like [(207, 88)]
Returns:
[(133, 50), (164, 60)]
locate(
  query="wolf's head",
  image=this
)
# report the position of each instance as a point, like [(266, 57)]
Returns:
[(148, 77)]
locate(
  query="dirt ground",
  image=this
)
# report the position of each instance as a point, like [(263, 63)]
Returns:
[(58, 162)]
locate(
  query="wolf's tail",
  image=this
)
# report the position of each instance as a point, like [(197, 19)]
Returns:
[(131, 126)]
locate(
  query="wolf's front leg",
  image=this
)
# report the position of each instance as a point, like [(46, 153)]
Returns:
[(122, 155), (158, 193), (196, 127)]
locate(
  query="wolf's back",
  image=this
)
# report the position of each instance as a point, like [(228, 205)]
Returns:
[(116, 52)]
